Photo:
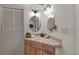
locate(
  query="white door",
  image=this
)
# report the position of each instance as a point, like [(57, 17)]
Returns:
[(12, 35)]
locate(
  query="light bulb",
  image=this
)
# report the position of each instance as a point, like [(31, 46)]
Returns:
[(34, 14), (31, 14), (49, 10), (51, 16)]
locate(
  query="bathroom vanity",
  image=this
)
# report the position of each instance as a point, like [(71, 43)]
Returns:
[(41, 45)]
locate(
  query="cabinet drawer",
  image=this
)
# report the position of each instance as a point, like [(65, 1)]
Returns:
[(38, 51), (32, 50)]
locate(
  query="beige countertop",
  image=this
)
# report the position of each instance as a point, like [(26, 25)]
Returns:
[(51, 41)]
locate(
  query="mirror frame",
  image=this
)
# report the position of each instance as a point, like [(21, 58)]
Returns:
[(53, 26)]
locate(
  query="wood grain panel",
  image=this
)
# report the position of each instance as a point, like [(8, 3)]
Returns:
[(27, 42), (36, 44), (37, 48), (32, 50), (44, 52), (27, 50), (38, 51), (48, 48)]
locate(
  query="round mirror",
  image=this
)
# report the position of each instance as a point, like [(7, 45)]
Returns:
[(51, 23), (34, 23)]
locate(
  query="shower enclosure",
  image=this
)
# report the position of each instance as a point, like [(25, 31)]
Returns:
[(11, 31)]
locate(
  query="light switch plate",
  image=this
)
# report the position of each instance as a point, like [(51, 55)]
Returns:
[(64, 30)]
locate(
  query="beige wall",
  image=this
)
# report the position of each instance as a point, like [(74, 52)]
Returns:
[(77, 29)]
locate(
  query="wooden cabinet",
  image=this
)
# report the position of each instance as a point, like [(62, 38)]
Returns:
[(27, 49), (38, 51), (48, 49), (36, 48)]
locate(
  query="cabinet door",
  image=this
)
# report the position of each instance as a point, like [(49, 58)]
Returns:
[(44, 53), (38, 51), (47, 53), (27, 50), (48, 49), (32, 50)]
